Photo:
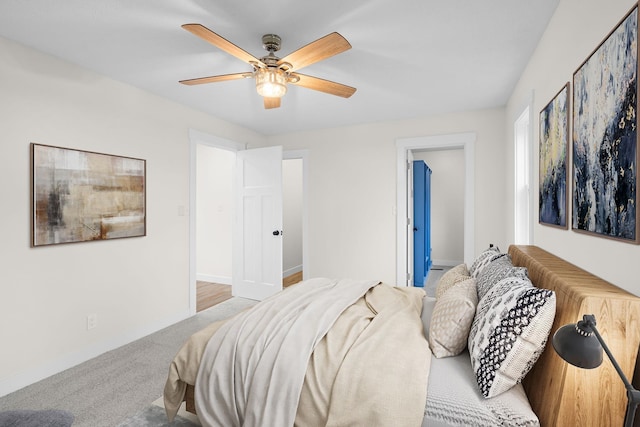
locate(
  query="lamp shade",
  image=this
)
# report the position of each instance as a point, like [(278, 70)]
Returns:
[(577, 344), (271, 82)]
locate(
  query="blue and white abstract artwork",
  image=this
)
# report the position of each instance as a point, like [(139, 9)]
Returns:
[(554, 141), (605, 136)]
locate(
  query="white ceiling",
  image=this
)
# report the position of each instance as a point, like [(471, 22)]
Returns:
[(409, 58)]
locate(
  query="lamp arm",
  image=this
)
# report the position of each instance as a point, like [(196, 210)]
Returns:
[(626, 382), (633, 395)]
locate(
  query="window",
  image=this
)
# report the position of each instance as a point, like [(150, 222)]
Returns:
[(522, 199)]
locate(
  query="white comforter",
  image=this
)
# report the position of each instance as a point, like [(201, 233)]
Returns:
[(253, 369)]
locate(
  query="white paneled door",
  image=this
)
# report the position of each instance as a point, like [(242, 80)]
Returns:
[(257, 241)]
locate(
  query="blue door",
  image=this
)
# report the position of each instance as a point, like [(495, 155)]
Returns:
[(421, 222)]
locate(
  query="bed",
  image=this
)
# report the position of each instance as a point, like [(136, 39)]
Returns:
[(551, 394)]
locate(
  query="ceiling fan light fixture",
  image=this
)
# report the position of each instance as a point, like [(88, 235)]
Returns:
[(273, 74), (271, 82)]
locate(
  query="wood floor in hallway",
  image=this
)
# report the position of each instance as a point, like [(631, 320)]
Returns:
[(209, 294)]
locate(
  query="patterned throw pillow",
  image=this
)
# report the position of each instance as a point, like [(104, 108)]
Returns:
[(487, 256), (451, 277), (451, 319), (498, 269), (509, 332)]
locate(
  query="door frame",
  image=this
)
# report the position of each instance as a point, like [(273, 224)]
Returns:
[(464, 141)]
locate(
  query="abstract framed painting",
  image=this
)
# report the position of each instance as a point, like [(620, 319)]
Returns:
[(80, 196), (554, 145), (605, 136)]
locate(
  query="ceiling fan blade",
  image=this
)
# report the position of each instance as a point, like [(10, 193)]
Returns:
[(325, 86), (323, 48), (220, 42), (271, 102), (213, 79)]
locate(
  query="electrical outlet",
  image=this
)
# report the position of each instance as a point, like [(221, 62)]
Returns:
[(92, 321)]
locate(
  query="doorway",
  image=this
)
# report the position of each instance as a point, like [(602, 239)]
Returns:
[(446, 205), (292, 214), (213, 263), (214, 214), (405, 149)]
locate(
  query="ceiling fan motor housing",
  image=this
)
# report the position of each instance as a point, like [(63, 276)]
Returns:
[(271, 42)]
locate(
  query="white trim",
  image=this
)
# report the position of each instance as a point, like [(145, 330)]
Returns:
[(293, 270), (464, 141), (527, 104), (219, 280), (200, 138), (32, 375), (304, 155), (215, 141)]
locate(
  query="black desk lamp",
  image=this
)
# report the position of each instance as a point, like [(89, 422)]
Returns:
[(581, 345)]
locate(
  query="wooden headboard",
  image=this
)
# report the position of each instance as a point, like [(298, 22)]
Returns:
[(561, 394)]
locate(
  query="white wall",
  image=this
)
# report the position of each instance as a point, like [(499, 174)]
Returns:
[(447, 204), (214, 213), (292, 216), (575, 30), (135, 285), (352, 189)]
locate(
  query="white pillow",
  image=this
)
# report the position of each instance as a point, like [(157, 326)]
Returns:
[(509, 332), (451, 319)]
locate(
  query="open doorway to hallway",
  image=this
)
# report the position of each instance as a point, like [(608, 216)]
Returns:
[(405, 149), (446, 204), (292, 219), (214, 219)]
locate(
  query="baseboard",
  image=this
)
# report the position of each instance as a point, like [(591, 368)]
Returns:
[(23, 379), (223, 280), (288, 272), (446, 262)]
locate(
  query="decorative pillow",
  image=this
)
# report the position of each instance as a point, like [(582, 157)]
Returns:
[(509, 333), (428, 304), (498, 269), (452, 277), (488, 255), (451, 319)]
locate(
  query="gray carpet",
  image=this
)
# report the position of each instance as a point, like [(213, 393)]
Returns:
[(43, 418), (118, 387), (107, 390), (154, 416)]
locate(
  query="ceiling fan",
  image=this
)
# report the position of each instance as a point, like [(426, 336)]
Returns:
[(272, 74)]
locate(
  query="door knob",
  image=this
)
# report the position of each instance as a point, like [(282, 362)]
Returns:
[(277, 233)]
